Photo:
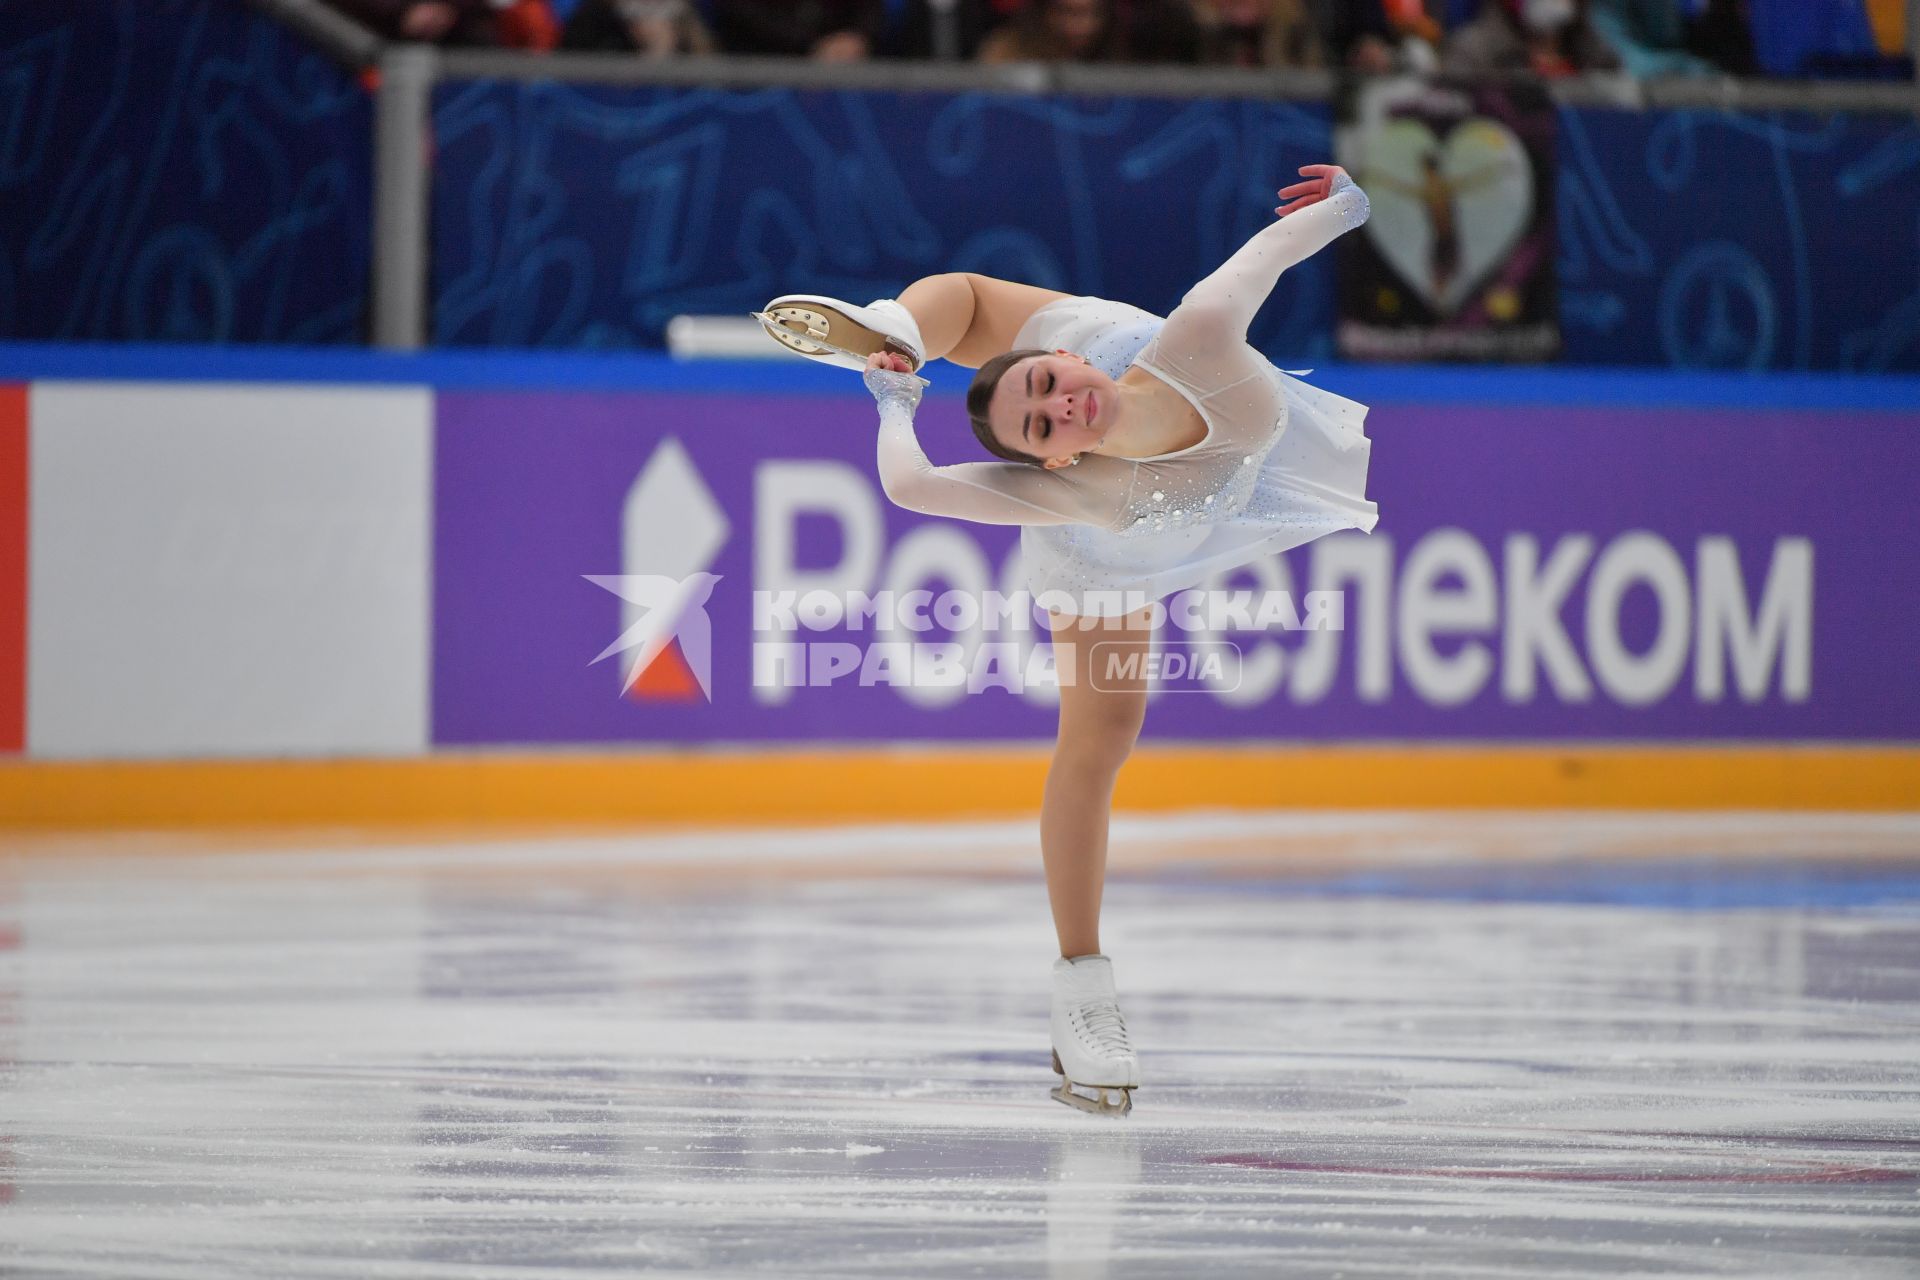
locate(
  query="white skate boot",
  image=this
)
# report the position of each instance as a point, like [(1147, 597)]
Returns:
[(1090, 1045), (841, 333)]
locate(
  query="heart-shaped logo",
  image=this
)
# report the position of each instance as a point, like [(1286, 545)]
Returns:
[(1447, 212)]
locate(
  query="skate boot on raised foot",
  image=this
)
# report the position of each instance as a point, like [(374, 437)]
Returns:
[(1090, 1045), (841, 333)]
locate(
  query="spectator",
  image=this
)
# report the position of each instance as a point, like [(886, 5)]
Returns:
[(826, 30), (1097, 31), (453, 22), (1057, 31), (1158, 31), (1258, 33), (526, 24), (1819, 38), (1418, 29), (1888, 19), (650, 28), (1718, 32), (1545, 37), (913, 32), (1649, 36), (1377, 37)]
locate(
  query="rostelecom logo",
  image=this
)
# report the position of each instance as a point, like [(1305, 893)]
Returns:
[(671, 529)]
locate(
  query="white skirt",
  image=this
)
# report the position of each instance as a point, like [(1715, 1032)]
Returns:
[(1313, 482)]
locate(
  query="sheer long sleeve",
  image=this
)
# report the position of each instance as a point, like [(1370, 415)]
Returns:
[(1203, 347), (1229, 298), (1093, 491)]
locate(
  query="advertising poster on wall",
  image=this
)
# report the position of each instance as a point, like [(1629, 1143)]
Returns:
[(1457, 262), (664, 569)]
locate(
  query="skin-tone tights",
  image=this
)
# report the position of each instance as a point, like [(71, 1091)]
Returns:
[(969, 319)]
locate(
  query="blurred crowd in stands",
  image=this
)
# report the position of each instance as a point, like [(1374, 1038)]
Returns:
[(1548, 37)]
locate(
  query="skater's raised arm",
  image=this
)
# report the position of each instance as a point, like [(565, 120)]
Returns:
[(1203, 346), (984, 492), (1324, 207)]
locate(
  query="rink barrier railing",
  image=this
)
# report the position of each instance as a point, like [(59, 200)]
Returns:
[(935, 783), (404, 76)]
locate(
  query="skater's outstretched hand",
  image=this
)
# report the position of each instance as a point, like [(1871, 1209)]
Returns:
[(889, 361), (1320, 180)]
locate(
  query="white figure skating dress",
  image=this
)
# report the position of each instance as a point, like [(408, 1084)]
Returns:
[(1282, 463)]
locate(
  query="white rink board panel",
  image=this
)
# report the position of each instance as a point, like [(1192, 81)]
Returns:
[(228, 570)]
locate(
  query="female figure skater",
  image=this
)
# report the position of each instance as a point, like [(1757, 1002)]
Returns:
[(1140, 457)]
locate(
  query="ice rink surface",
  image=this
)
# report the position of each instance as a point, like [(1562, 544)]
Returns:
[(1373, 1045)]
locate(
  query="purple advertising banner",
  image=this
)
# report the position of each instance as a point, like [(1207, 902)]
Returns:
[(1613, 571)]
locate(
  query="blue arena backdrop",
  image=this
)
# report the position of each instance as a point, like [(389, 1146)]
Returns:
[(179, 172), (1685, 239), (192, 172)]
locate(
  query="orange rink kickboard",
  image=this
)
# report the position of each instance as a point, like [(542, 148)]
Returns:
[(916, 783)]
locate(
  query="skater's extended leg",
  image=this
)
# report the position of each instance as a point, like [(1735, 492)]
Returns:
[(1101, 710), (943, 307), (968, 318)]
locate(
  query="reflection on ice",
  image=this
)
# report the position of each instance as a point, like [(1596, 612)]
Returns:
[(1089, 1185)]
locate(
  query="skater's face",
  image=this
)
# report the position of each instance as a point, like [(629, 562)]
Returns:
[(1054, 407)]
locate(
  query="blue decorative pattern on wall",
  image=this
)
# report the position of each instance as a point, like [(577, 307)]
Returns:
[(178, 170), (567, 216), (189, 170), (1697, 239)]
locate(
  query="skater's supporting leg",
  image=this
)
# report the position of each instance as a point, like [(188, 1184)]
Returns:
[(969, 319), (1100, 717)]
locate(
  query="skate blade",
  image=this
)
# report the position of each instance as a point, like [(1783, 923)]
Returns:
[(1109, 1102), (1099, 1100), (811, 331)]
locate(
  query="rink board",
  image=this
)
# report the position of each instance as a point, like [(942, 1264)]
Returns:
[(222, 569), (288, 586), (1571, 572), (773, 786)]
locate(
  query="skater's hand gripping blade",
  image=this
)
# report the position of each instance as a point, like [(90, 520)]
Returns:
[(808, 333)]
